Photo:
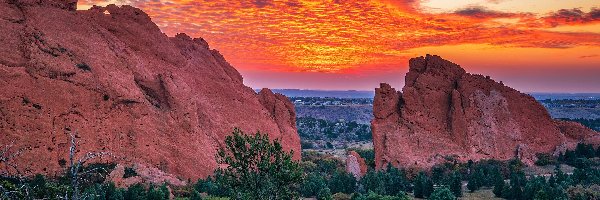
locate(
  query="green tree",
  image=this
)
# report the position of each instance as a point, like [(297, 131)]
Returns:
[(517, 182), (499, 183), (312, 184), (211, 186), (476, 180), (343, 182), (135, 192), (155, 194), (39, 186), (472, 185), (258, 168), (534, 186), (456, 184), (372, 181), (442, 194), (195, 195), (423, 185), (112, 192), (396, 181), (324, 194)]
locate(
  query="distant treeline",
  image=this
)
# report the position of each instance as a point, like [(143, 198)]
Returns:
[(330, 101), (571, 103), (319, 129)]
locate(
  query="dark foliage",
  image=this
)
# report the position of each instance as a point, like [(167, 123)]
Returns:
[(258, 168)]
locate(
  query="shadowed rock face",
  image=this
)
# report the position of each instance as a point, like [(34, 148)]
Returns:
[(444, 112), (123, 87)]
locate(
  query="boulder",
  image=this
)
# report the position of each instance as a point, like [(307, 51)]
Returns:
[(356, 165)]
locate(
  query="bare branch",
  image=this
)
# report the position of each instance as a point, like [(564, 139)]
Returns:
[(77, 164), (7, 155)]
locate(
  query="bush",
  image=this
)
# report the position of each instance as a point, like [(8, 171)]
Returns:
[(324, 194), (129, 172), (442, 194), (544, 159)]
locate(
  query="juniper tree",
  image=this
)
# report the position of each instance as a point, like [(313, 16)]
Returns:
[(257, 168)]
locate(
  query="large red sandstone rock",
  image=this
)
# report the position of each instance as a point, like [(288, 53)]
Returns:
[(124, 87), (445, 113)]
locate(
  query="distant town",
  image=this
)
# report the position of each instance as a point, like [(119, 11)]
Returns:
[(330, 101)]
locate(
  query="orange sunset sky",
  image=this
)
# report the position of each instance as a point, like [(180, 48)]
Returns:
[(531, 45)]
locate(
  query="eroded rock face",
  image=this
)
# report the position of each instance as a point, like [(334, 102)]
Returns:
[(356, 165), (123, 87), (444, 113)]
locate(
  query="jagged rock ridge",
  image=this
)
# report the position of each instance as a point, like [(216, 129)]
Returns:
[(444, 113), (112, 77)]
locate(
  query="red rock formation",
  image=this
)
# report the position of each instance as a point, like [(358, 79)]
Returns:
[(124, 87), (356, 165), (445, 113), (283, 112)]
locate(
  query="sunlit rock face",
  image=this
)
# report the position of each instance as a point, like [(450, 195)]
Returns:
[(110, 76), (444, 114)]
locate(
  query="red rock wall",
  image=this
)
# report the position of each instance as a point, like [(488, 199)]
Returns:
[(445, 113), (124, 87)]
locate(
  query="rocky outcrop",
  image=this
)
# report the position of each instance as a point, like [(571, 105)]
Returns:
[(356, 165), (110, 76), (444, 113), (282, 111)]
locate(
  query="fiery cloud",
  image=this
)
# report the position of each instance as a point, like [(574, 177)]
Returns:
[(573, 16), (353, 36), (484, 13)]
